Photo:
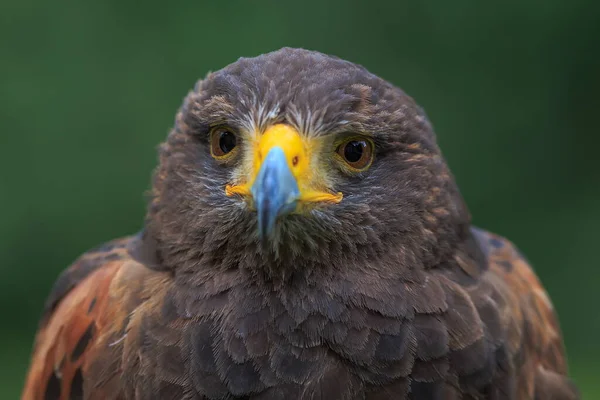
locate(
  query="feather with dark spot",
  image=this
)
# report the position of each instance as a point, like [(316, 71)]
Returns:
[(83, 342)]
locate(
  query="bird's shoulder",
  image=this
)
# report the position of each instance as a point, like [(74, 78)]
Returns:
[(88, 309), (516, 316), (510, 283)]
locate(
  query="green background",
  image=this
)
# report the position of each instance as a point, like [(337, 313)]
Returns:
[(87, 91)]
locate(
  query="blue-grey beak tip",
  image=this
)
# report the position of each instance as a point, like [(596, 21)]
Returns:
[(275, 191)]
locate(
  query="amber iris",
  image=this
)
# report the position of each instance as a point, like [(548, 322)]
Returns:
[(223, 142), (357, 153)]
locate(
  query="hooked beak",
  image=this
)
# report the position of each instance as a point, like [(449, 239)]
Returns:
[(275, 191), (282, 177)]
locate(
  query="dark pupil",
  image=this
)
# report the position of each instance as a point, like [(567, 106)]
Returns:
[(354, 150), (227, 142)]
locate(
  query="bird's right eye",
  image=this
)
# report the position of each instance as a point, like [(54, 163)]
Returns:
[(223, 143)]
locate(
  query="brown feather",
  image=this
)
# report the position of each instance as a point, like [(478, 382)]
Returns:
[(114, 335), (79, 345)]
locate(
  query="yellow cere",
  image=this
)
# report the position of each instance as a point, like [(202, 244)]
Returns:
[(289, 140), (297, 152)]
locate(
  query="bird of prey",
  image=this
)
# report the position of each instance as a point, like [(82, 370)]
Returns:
[(304, 239)]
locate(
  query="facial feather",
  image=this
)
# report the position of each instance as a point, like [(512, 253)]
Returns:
[(322, 98)]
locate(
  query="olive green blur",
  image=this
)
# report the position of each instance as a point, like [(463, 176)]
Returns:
[(88, 90)]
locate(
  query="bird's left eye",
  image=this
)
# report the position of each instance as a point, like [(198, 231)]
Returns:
[(223, 142), (357, 153)]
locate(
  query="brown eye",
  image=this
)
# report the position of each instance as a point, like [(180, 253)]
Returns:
[(358, 153), (223, 141)]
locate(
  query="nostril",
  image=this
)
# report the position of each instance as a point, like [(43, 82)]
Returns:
[(295, 161)]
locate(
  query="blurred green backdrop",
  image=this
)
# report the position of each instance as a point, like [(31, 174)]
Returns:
[(88, 89)]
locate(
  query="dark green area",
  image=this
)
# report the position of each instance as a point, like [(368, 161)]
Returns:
[(88, 89)]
